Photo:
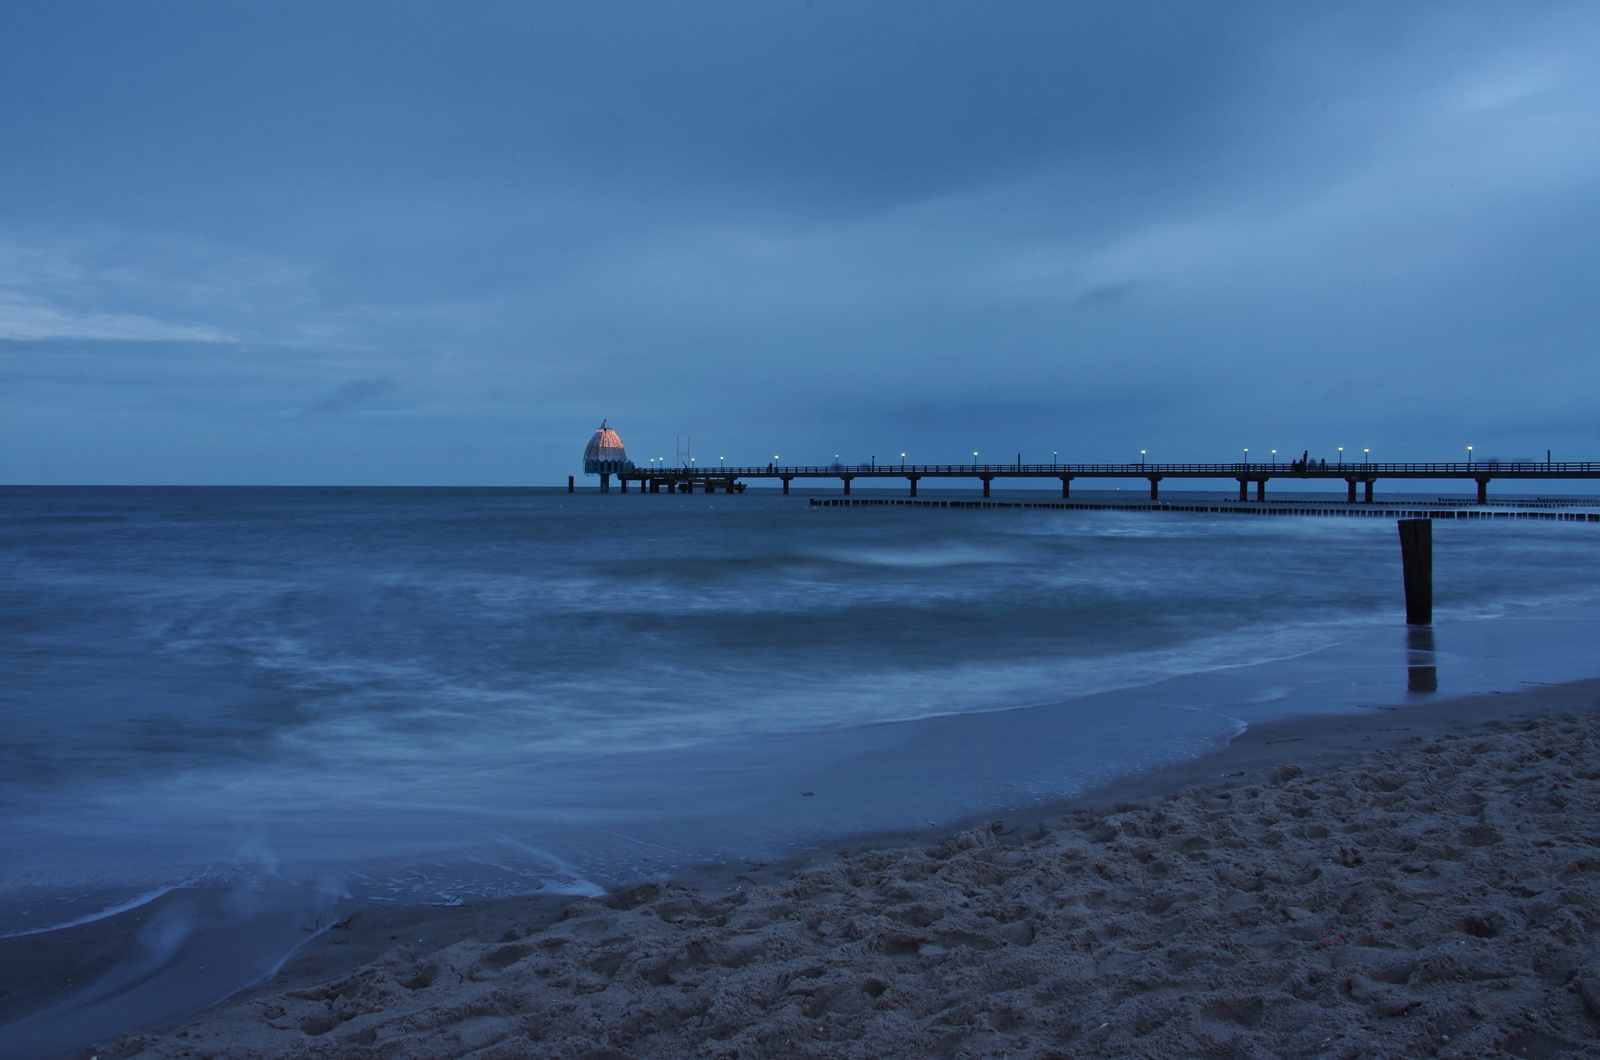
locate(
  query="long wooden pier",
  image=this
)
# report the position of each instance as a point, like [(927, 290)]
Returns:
[(732, 479)]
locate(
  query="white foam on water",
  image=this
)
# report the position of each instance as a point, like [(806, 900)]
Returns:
[(109, 911)]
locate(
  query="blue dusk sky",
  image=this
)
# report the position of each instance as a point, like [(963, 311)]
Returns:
[(436, 243)]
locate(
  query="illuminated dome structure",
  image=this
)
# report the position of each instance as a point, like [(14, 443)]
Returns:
[(604, 456)]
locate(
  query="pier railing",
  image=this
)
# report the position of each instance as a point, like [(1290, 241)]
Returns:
[(655, 478), (1247, 469)]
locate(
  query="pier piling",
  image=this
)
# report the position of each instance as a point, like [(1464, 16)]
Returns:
[(1416, 559)]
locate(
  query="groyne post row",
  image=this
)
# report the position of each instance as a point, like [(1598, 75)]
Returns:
[(730, 479), (1168, 506)]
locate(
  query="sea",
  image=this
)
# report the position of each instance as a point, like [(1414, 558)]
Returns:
[(299, 697)]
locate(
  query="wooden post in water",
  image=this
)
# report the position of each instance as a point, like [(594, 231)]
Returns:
[(571, 485), (1422, 670), (1416, 557)]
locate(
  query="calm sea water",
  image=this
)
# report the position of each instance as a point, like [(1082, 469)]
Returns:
[(429, 695)]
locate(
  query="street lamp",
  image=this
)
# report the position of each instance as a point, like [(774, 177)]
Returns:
[(1366, 456), (1469, 456), (1274, 458), (1247, 456), (1141, 457), (1341, 456)]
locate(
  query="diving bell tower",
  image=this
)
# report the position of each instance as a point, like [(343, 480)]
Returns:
[(604, 456)]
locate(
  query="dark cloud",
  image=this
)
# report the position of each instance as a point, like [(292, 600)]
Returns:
[(347, 397)]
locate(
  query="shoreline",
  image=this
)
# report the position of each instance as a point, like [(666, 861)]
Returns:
[(1316, 742), (1316, 747)]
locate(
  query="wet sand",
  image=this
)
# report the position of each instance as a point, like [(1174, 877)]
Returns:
[(1420, 881)]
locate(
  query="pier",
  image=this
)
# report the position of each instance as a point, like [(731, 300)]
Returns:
[(1359, 479)]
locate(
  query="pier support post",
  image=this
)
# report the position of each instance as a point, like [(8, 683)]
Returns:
[(1244, 490), (1351, 497), (572, 485), (1483, 491), (786, 481), (1261, 489), (1066, 486), (846, 479), (1369, 491), (1416, 557), (605, 483), (1155, 487), (913, 480), (986, 482), (623, 482)]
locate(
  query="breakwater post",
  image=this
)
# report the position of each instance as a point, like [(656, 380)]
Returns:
[(1422, 669), (1416, 557)]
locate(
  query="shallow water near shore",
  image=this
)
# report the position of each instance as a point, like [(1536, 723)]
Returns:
[(439, 695)]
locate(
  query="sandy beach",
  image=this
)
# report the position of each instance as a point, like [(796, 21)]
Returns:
[(1413, 882)]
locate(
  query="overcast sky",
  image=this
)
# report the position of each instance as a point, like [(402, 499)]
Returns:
[(438, 242)]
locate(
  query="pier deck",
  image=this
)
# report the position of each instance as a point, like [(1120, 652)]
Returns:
[(731, 479)]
